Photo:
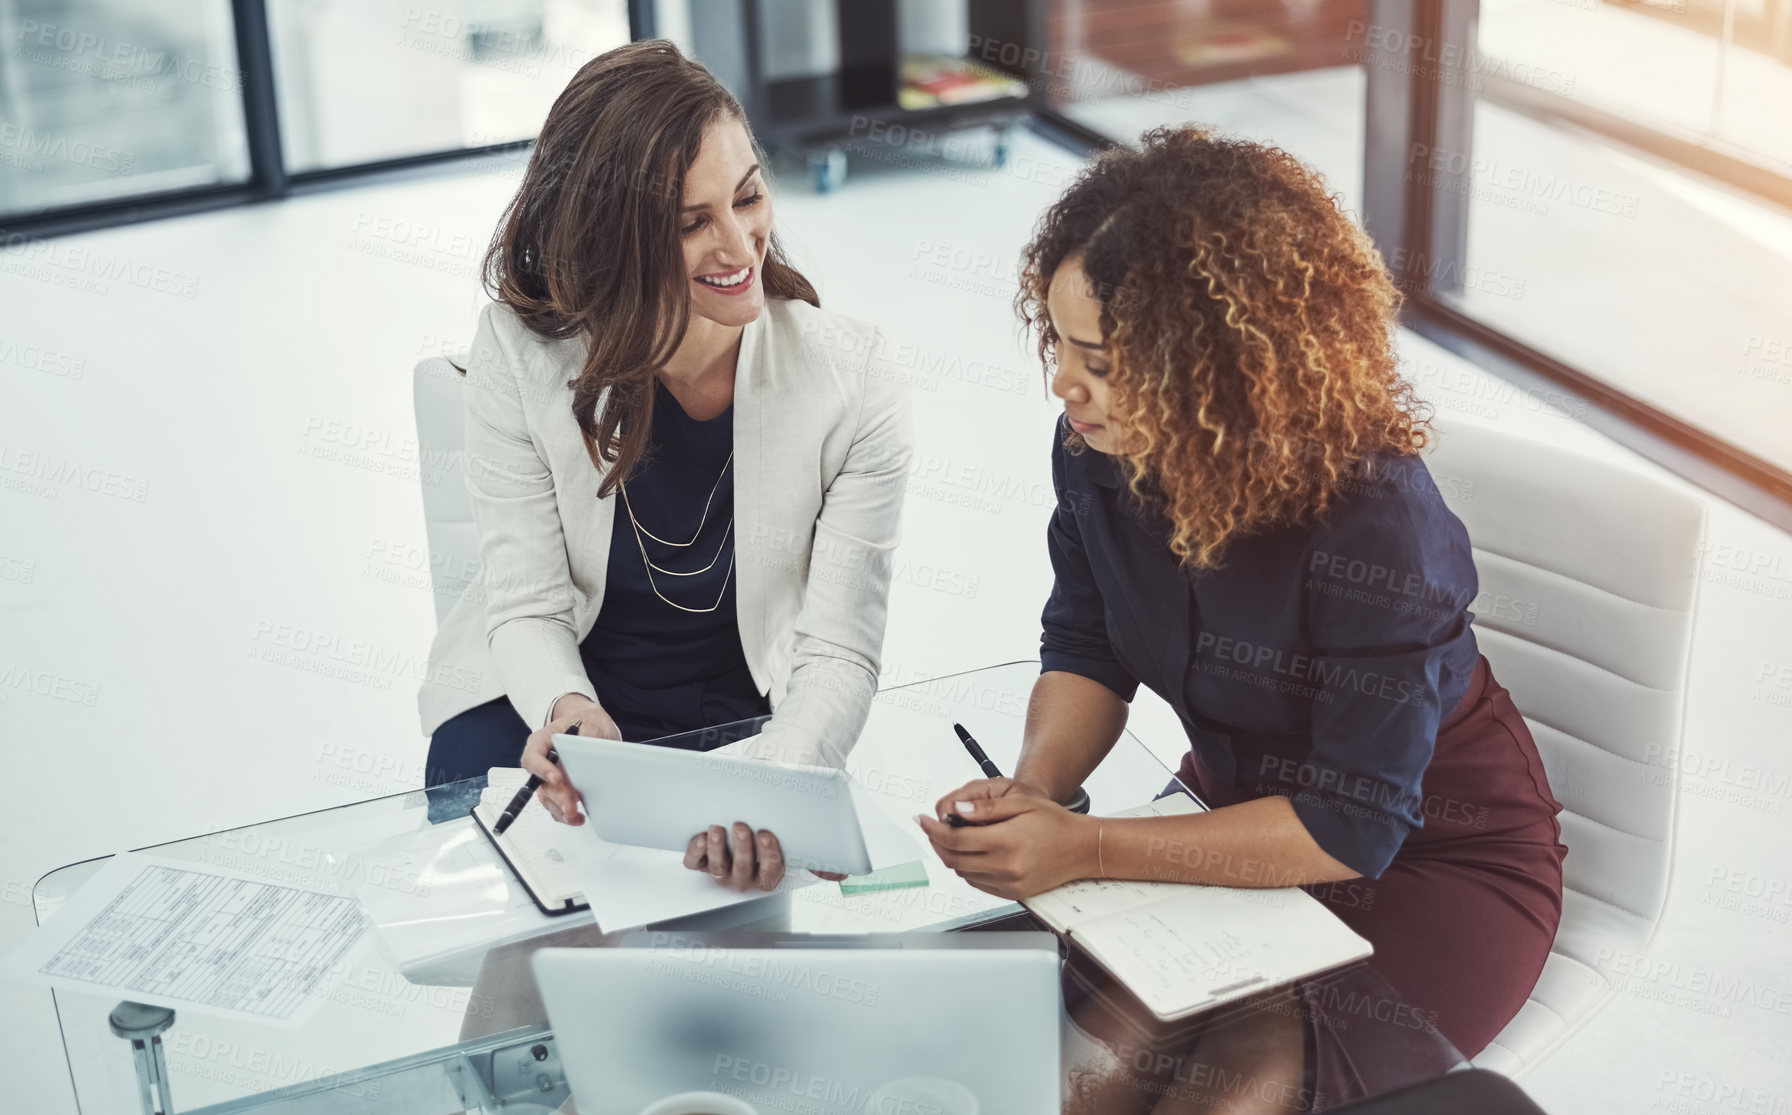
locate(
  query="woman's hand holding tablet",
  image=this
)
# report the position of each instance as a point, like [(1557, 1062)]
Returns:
[(1015, 841), (739, 858), (734, 855)]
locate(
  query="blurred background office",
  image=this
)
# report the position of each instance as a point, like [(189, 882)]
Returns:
[(230, 229)]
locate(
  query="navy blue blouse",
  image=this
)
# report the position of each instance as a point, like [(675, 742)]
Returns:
[(657, 669), (1317, 662)]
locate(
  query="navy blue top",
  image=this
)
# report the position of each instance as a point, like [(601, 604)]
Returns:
[(1316, 662), (659, 670)]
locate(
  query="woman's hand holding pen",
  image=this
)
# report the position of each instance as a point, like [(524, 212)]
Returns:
[(984, 788), (556, 793), (1016, 842)]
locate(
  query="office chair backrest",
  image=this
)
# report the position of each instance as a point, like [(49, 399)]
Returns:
[(1588, 578), (447, 510)]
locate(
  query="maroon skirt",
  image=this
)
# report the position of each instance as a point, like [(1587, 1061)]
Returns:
[(1463, 918)]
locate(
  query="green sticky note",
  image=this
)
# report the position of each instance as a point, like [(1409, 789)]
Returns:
[(890, 878)]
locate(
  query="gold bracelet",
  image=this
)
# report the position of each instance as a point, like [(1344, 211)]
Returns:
[(1100, 864)]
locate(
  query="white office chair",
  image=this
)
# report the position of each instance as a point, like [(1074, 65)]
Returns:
[(447, 509), (1588, 577)]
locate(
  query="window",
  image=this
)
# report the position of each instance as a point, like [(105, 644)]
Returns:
[(363, 81), (108, 99), (1599, 227)]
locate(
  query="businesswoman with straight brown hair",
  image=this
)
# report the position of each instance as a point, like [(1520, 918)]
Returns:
[(686, 476), (1244, 526)]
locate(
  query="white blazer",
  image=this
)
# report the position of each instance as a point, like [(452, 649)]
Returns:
[(822, 444)]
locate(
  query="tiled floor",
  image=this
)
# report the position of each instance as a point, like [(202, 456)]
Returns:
[(201, 472)]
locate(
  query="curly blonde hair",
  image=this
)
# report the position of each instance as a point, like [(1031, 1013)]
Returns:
[(1249, 324)]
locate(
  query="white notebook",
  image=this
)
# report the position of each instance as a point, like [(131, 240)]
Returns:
[(1182, 948), (527, 845)]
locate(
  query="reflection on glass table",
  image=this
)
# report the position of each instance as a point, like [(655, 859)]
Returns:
[(462, 1029)]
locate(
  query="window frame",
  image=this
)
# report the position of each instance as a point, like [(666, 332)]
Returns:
[(1408, 222), (1424, 228), (268, 178)]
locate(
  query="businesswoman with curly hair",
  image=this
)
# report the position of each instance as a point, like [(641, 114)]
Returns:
[(686, 476), (1244, 526)]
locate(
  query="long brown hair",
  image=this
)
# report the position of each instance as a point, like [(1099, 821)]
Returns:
[(1250, 325), (590, 245)]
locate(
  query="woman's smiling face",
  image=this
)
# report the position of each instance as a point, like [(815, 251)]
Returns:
[(725, 225)]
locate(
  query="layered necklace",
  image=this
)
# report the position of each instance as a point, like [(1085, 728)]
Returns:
[(642, 534)]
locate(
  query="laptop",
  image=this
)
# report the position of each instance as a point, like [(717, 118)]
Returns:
[(813, 1023)]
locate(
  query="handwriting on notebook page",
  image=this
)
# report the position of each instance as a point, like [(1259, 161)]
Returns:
[(1179, 962)]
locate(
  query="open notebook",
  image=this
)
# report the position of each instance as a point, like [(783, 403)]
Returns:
[(527, 846), (1182, 948)]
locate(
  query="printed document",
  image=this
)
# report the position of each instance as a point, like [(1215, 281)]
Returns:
[(194, 936)]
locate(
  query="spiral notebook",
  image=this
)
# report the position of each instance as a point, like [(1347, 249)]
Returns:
[(526, 845), (1182, 948)]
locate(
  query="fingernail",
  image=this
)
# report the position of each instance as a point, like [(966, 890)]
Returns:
[(965, 806)]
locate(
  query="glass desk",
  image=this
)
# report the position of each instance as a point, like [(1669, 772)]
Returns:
[(435, 1043)]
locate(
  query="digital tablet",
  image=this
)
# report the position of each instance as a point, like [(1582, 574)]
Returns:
[(660, 797)]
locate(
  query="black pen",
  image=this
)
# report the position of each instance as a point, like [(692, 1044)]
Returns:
[(971, 745), (1078, 804), (990, 770), (528, 791)]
